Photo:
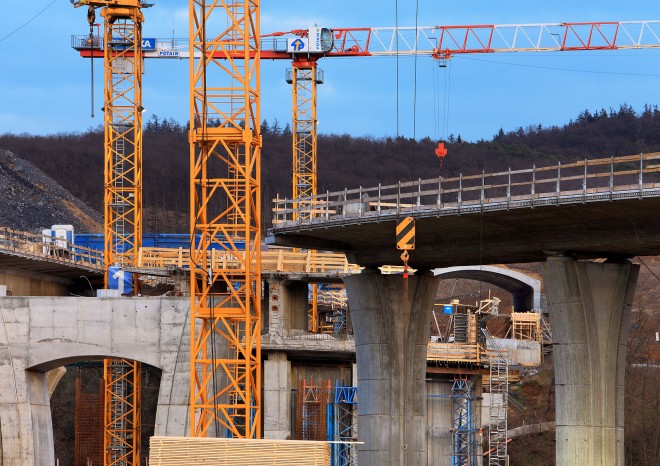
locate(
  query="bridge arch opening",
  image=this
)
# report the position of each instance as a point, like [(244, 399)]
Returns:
[(525, 290), (76, 408)]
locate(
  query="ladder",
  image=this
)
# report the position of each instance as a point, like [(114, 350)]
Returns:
[(497, 413), (461, 328)]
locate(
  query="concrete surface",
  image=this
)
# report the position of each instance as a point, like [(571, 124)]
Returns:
[(390, 345), (41, 334), (277, 396), (589, 311)]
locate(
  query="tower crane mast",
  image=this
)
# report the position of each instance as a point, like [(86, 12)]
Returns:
[(122, 53), (225, 211)]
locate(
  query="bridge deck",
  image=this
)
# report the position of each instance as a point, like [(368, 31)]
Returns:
[(30, 252), (597, 208)]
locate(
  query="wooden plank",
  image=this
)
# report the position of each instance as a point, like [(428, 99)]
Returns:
[(179, 451)]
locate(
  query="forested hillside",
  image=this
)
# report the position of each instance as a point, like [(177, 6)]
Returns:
[(75, 159)]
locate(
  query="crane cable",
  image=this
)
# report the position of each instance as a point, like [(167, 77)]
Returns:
[(396, 39), (91, 18), (406, 319), (27, 22), (415, 78)]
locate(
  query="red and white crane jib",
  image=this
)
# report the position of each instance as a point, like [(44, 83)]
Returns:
[(440, 42), (445, 41)]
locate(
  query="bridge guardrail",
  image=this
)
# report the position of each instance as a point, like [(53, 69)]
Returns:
[(33, 245), (51, 249), (582, 181)]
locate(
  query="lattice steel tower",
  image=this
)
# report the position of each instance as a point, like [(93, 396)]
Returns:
[(122, 52), (225, 150)]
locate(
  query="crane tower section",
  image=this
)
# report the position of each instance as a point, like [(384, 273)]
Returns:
[(122, 53), (304, 75), (123, 135), (225, 150)]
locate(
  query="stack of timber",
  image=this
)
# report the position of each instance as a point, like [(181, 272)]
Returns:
[(177, 451)]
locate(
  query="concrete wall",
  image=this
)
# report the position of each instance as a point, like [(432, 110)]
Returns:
[(438, 422), (287, 307), (40, 334), (297, 306), (521, 352)]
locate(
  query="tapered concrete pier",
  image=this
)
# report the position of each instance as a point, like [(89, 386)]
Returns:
[(590, 307), (391, 327)]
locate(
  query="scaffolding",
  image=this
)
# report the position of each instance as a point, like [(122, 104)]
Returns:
[(526, 326), (497, 413), (464, 425), (343, 429), (311, 411), (88, 425)]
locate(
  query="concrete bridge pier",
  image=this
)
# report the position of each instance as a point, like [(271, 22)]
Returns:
[(590, 307), (390, 345)]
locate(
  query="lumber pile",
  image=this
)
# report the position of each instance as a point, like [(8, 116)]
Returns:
[(185, 451)]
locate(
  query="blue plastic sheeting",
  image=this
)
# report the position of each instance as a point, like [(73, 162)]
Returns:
[(149, 240), (448, 309)]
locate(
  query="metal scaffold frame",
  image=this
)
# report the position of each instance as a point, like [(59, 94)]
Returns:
[(122, 418), (344, 426), (499, 396), (464, 429), (312, 411), (225, 150)]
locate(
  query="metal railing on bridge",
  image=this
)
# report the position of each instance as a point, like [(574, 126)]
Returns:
[(50, 249), (583, 181)]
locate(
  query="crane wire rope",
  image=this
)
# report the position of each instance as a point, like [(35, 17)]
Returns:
[(91, 18), (552, 68), (28, 21), (436, 100), (396, 26), (415, 79), (648, 268), (447, 94)]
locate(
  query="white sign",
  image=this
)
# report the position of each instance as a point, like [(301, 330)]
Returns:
[(297, 45)]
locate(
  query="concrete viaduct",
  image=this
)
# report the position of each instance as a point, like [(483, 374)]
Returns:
[(578, 215), (41, 334)]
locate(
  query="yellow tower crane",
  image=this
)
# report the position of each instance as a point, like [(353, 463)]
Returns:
[(122, 45), (225, 211), (304, 77)]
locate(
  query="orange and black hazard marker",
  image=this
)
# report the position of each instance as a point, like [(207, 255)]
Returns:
[(405, 234)]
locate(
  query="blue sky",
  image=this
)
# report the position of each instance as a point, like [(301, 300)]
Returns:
[(45, 85)]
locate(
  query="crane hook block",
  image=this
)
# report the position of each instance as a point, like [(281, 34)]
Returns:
[(91, 15), (441, 151)]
